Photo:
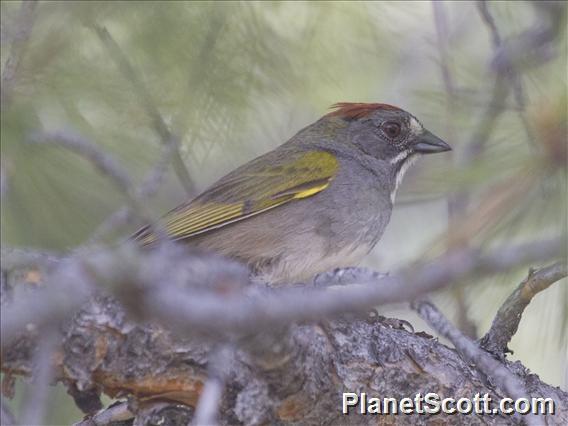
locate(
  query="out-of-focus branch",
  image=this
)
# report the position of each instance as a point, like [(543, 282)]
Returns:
[(209, 403), (65, 289), (3, 180), (442, 37), (472, 353), (16, 258), (298, 305), (147, 188), (101, 160), (88, 150), (508, 317), (6, 415), (267, 310), (106, 350), (24, 25), (456, 202), (511, 72), (177, 293), (534, 46), (35, 401), (117, 412), (148, 103), (139, 280)]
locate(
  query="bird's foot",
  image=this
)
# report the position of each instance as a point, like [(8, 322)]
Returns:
[(395, 323)]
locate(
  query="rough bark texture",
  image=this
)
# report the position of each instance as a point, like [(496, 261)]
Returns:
[(186, 337), (104, 351)]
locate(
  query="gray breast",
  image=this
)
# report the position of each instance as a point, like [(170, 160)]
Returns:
[(357, 206)]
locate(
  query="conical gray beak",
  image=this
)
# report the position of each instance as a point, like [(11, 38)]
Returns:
[(428, 143)]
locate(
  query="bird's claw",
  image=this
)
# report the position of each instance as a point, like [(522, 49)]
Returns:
[(395, 323)]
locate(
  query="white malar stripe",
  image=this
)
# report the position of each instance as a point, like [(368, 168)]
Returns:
[(400, 174), (401, 156)]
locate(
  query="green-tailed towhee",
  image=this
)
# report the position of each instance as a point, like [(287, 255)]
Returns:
[(319, 201)]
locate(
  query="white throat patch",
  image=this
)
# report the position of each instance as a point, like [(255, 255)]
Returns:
[(403, 168)]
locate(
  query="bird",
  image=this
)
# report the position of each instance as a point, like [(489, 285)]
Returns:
[(318, 202)]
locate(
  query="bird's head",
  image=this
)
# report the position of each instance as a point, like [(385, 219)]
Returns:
[(386, 132)]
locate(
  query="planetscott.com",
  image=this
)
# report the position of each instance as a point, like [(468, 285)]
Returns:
[(432, 403)]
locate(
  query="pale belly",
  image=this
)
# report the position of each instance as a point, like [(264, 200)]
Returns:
[(301, 267)]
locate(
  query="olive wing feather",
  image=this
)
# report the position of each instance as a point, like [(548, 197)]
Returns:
[(261, 185)]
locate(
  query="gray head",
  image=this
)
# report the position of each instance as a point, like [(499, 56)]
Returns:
[(386, 132)]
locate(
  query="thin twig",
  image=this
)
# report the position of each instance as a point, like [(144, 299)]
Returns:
[(211, 314), (6, 414), (3, 180), (509, 316), (24, 27), (490, 367), (35, 402), (490, 22), (147, 188), (64, 291), (88, 150), (117, 412), (457, 203), (148, 103), (16, 258), (102, 160), (127, 276), (442, 37), (207, 409), (514, 77)]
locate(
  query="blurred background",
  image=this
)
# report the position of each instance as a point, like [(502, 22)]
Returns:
[(232, 80)]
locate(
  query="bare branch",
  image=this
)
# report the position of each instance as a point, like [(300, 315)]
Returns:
[(264, 310), (102, 160), (147, 188), (291, 305), (148, 103), (457, 202), (147, 283), (106, 349), (24, 27), (514, 77), (88, 150), (490, 22), (441, 24), (493, 369), (16, 258), (6, 415), (509, 316), (115, 413), (210, 400), (35, 402), (46, 307), (3, 180)]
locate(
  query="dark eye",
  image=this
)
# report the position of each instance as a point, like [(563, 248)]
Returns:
[(391, 129)]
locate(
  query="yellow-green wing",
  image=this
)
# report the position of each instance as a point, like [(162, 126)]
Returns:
[(263, 184)]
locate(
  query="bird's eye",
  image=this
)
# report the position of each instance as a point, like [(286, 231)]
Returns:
[(391, 129)]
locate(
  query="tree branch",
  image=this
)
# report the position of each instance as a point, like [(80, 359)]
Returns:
[(103, 162), (207, 410), (148, 103), (147, 283), (24, 27), (509, 316), (272, 309), (496, 372), (147, 188)]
